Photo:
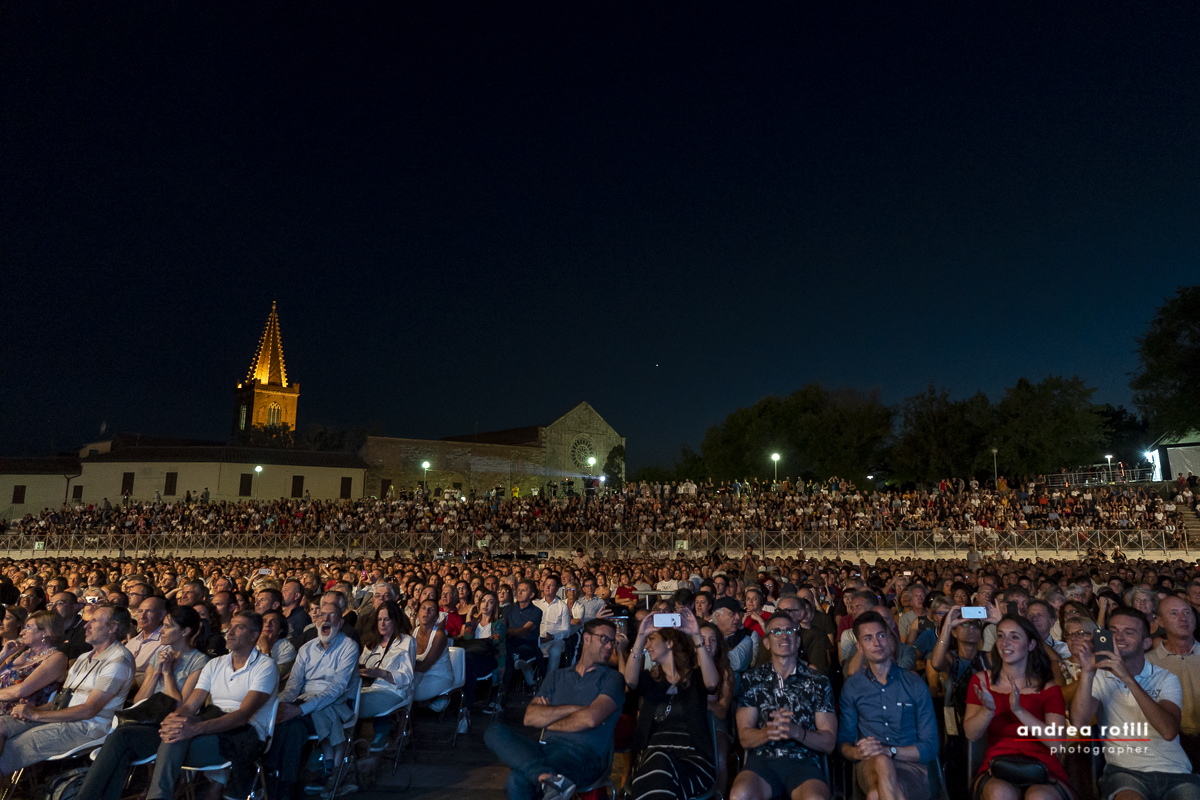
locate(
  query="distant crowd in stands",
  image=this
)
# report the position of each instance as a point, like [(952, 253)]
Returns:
[(831, 509), (753, 677)]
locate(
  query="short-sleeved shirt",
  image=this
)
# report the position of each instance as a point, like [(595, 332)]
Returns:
[(184, 666), (566, 687), (111, 671), (805, 693), (1118, 706), (1187, 669), (1004, 738), (227, 687), (516, 617)]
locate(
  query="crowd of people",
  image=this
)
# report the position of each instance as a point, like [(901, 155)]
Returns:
[(665, 512), (754, 677)]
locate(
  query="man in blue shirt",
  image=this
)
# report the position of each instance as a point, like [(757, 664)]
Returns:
[(523, 620), (886, 723), (318, 699), (578, 707)]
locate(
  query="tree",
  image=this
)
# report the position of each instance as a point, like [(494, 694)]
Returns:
[(614, 466), (268, 436), (1046, 426), (332, 440), (817, 433), (1167, 385), (1128, 435), (942, 438), (652, 473)]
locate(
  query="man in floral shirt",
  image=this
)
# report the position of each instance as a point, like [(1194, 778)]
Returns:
[(786, 722)]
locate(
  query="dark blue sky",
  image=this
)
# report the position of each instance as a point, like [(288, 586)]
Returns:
[(473, 218)]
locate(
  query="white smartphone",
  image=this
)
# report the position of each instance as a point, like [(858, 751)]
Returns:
[(264, 571), (666, 621), (974, 612)]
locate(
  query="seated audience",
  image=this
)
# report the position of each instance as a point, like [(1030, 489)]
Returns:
[(578, 707), (386, 668), (32, 668)]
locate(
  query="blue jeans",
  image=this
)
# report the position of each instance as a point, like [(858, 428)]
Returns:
[(1150, 785), (529, 759)]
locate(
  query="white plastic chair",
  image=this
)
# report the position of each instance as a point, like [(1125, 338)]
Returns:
[(348, 729), (74, 751)]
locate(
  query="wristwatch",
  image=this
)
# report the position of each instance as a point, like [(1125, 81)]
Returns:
[(893, 749)]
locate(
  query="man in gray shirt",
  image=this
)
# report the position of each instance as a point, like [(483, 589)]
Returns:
[(578, 707)]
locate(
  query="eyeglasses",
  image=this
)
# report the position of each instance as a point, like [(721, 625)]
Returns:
[(604, 640), (782, 632)]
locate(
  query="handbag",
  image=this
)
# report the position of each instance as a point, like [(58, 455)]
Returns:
[(1021, 771), (482, 647), (151, 711)]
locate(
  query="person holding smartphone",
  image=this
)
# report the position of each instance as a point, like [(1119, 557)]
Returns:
[(674, 694)]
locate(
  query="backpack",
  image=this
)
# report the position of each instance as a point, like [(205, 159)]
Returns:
[(62, 786)]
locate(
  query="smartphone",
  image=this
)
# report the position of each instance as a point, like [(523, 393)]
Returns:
[(666, 621), (264, 571), (974, 612), (91, 599), (908, 573), (1103, 640), (1014, 610)]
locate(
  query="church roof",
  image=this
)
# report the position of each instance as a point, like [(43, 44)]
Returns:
[(233, 455), (523, 437), (268, 361)]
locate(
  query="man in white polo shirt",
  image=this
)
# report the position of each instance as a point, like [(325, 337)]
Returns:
[(1123, 688), (1179, 654), (240, 685)]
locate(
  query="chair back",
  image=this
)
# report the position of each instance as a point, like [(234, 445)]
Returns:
[(458, 666), (274, 703)]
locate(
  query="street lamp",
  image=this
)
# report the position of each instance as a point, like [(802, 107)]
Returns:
[(425, 482), (591, 469), (257, 472), (1109, 457), (995, 472), (775, 458)]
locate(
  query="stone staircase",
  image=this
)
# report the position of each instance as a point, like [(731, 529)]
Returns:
[(1191, 524)]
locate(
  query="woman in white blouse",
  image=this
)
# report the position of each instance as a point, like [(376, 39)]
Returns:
[(386, 663)]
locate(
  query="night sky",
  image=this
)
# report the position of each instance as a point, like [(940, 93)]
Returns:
[(473, 218)]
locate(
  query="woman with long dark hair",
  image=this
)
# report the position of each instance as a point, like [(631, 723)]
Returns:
[(672, 724), (1019, 691), (388, 658)]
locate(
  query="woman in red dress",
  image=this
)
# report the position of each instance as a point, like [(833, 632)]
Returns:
[(1019, 691)]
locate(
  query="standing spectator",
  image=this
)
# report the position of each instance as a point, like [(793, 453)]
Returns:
[(886, 723), (578, 707), (293, 609)]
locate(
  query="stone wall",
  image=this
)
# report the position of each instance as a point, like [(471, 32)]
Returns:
[(472, 466)]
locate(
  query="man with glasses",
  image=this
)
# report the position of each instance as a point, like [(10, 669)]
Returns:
[(137, 592), (578, 708), (785, 721), (587, 607), (815, 648)]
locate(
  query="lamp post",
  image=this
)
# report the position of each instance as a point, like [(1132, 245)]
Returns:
[(257, 473), (1109, 457), (425, 480), (775, 458), (995, 472), (591, 469)]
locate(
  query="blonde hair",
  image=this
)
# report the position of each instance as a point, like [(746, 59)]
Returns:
[(49, 623)]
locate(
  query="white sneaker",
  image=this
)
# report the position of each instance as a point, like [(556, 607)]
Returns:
[(464, 724), (439, 704)]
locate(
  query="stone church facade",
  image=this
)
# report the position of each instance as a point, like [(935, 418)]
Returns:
[(524, 459)]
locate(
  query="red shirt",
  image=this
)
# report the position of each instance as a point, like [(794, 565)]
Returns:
[(1002, 732), (625, 593), (453, 623)]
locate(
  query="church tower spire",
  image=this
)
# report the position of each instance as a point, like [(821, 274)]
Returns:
[(268, 361), (266, 398)]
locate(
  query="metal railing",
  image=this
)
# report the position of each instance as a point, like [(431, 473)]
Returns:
[(1101, 475), (941, 543)]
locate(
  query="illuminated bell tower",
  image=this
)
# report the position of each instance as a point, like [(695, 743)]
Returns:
[(265, 397)]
